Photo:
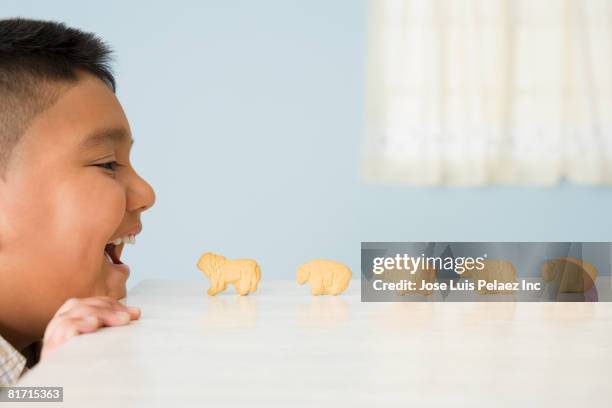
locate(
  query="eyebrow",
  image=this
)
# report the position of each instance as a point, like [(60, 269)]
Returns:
[(101, 137)]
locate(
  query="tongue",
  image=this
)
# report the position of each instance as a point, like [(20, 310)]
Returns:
[(110, 250)]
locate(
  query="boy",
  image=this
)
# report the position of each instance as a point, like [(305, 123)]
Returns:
[(69, 198)]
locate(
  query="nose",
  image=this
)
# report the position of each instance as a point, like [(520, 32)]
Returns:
[(140, 194)]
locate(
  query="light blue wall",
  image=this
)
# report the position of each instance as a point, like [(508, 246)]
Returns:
[(248, 117)]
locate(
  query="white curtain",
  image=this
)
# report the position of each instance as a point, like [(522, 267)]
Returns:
[(472, 92)]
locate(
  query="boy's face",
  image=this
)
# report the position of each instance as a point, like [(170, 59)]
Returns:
[(63, 200)]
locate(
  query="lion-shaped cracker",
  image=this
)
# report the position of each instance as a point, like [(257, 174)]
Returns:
[(326, 277), (243, 273)]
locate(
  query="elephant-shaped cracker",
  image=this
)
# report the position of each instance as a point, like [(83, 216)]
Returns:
[(422, 274), (243, 273), (326, 277), (571, 274), (495, 270)]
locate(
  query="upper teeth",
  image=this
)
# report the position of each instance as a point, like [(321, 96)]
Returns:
[(128, 239)]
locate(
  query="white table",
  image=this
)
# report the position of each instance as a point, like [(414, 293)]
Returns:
[(283, 348)]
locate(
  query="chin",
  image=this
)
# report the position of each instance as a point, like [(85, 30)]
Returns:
[(117, 293), (115, 280), (116, 290)]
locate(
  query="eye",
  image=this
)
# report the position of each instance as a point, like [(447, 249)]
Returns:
[(111, 165)]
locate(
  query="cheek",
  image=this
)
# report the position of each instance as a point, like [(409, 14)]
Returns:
[(93, 210), (76, 220), (93, 214)]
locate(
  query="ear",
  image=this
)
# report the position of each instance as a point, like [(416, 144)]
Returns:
[(302, 275)]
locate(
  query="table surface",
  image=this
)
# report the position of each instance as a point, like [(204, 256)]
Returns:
[(283, 347)]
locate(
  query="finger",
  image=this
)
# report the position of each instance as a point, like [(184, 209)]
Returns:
[(115, 305), (102, 301), (67, 305), (134, 312), (55, 323), (64, 329), (107, 315), (83, 304)]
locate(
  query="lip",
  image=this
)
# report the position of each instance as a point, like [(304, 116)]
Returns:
[(123, 268), (132, 231)]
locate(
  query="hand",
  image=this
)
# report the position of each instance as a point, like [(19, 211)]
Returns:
[(78, 316)]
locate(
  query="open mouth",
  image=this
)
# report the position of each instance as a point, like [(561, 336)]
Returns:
[(114, 248), (112, 254)]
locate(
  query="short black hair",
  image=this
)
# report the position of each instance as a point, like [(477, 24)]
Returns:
[(35, 55)]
